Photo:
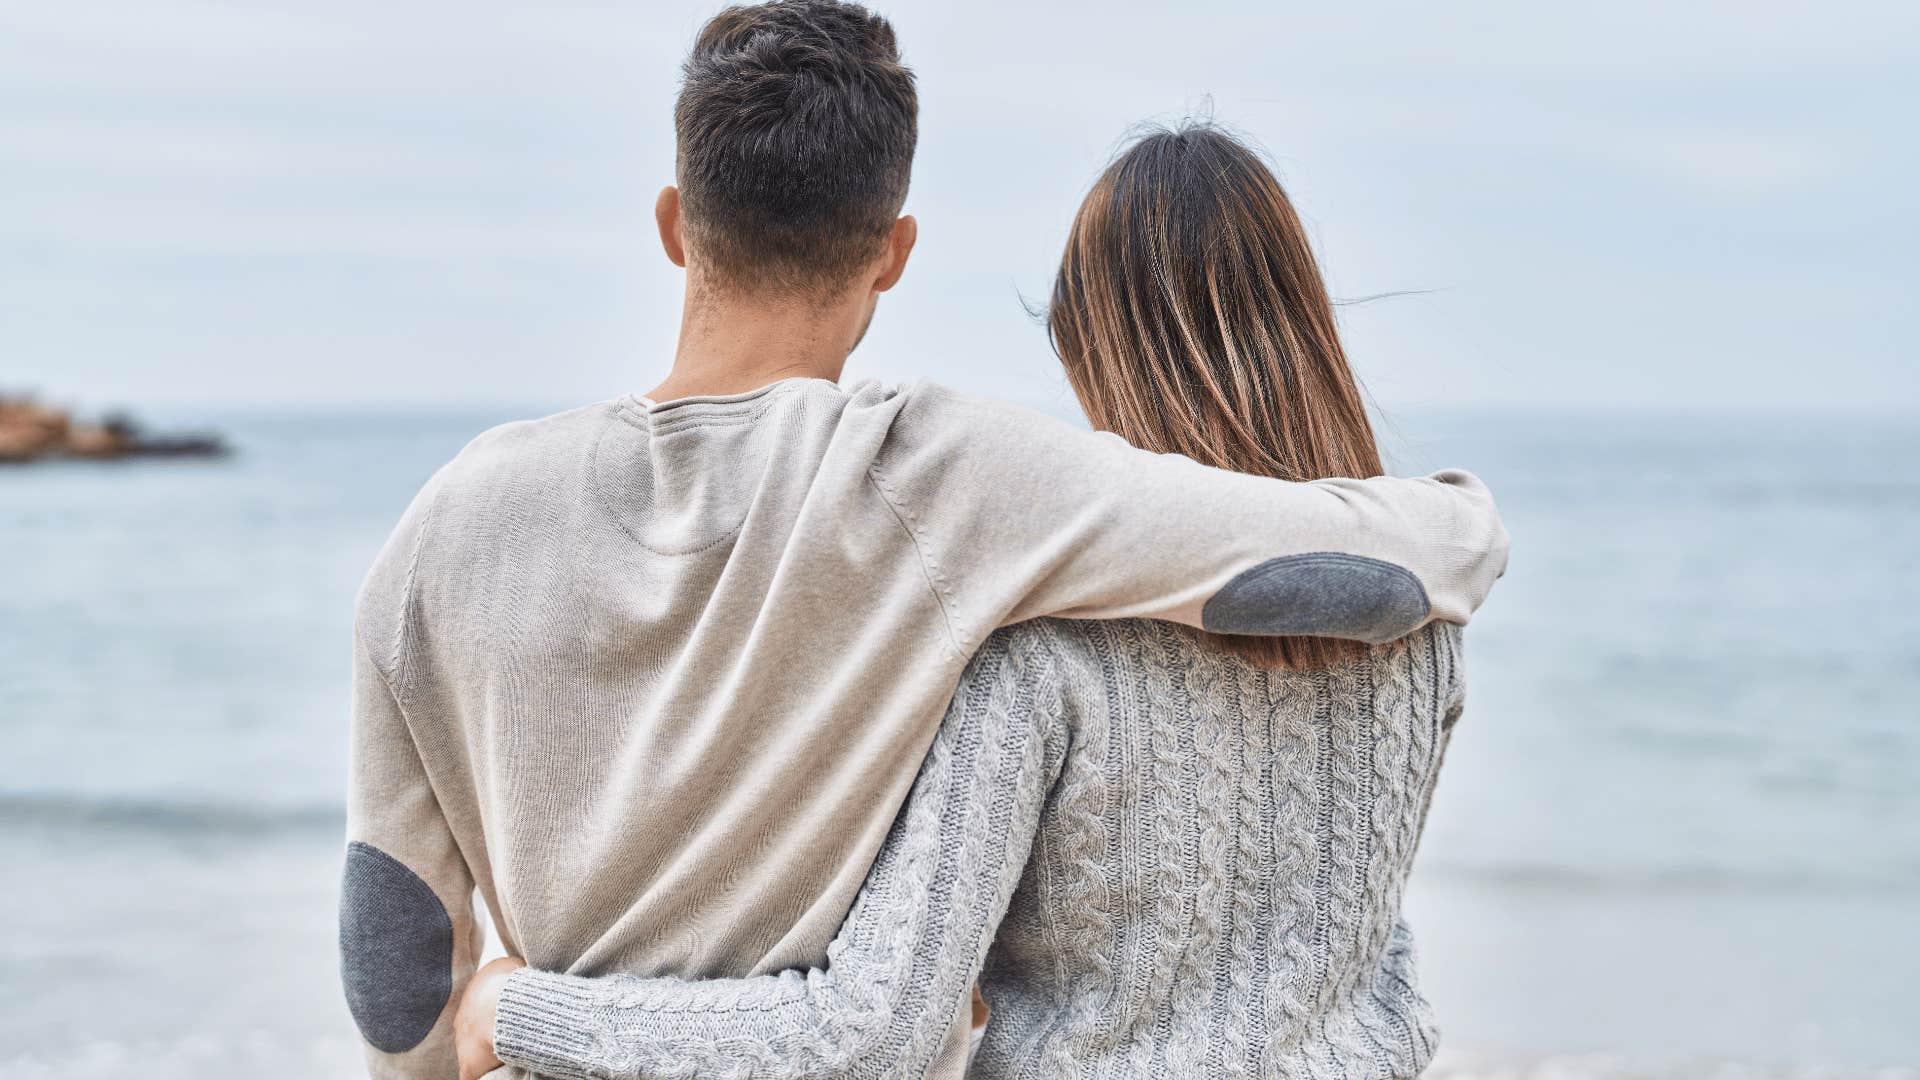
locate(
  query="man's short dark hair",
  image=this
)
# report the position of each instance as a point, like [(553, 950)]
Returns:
[(796, 124)]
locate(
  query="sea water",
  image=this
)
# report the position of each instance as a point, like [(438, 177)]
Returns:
[(1679, 822)]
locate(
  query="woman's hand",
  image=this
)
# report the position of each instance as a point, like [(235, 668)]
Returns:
[(473, 1020)]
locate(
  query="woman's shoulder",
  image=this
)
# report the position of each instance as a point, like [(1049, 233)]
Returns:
[(1442, 639), (1058, 656), (1058, 641), (1085, 660), (1025, 653), (1440, 648), (1087, 651), (1068, 650)]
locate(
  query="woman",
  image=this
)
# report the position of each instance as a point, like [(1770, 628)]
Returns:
[(1162, 853)]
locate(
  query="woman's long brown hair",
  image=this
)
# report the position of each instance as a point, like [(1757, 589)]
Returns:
[(1192, 319)]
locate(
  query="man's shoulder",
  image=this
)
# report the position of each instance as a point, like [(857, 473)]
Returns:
[(513, 461), (531, 446), (520, 470)]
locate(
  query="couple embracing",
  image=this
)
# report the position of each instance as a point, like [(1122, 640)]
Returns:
[(770, 717)]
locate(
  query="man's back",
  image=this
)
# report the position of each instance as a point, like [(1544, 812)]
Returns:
[(627, 645)]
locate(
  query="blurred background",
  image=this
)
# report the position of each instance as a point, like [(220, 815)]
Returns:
[(1654, 276)]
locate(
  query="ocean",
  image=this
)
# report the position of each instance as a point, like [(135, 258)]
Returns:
[(1677, 834)]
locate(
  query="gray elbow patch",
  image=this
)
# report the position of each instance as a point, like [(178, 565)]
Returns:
[(396, 950), (1320, 594)]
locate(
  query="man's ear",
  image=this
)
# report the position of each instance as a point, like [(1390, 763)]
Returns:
[(899, 245), (666, 214)]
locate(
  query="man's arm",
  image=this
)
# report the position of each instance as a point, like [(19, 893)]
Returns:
[(1019, 515), (408, 937), (902, 966)]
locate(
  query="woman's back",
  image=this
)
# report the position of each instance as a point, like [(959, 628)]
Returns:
[(1215, 885)]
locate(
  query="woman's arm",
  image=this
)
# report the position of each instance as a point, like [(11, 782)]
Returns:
[(899, 971)]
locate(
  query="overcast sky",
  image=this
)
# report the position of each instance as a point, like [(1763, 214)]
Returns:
[(343, 202)]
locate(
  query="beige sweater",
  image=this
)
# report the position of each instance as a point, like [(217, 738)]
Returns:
[(657, 678)]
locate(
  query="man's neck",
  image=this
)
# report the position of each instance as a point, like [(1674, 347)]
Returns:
[(733, 344)]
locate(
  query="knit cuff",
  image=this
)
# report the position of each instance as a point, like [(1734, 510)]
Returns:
[(544, 1024)]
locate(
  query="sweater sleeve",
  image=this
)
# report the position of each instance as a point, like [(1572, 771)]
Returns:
[(1019, 515), (901, 967), (408, 935)]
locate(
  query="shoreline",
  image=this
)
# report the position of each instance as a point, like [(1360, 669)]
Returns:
[(239, 927)]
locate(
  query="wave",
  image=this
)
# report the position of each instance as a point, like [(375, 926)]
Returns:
[(66, 810), (1672, 880), (1471, 1066), (205, 1056)]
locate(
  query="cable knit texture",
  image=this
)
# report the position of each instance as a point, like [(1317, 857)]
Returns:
[(1160, 861)]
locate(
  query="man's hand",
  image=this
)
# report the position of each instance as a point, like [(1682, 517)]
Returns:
[(473, 1020)]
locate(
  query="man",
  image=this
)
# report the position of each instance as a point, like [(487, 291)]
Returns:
[(655, 675)]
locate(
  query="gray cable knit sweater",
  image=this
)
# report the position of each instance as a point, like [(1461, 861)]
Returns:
[(1194, 868)]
